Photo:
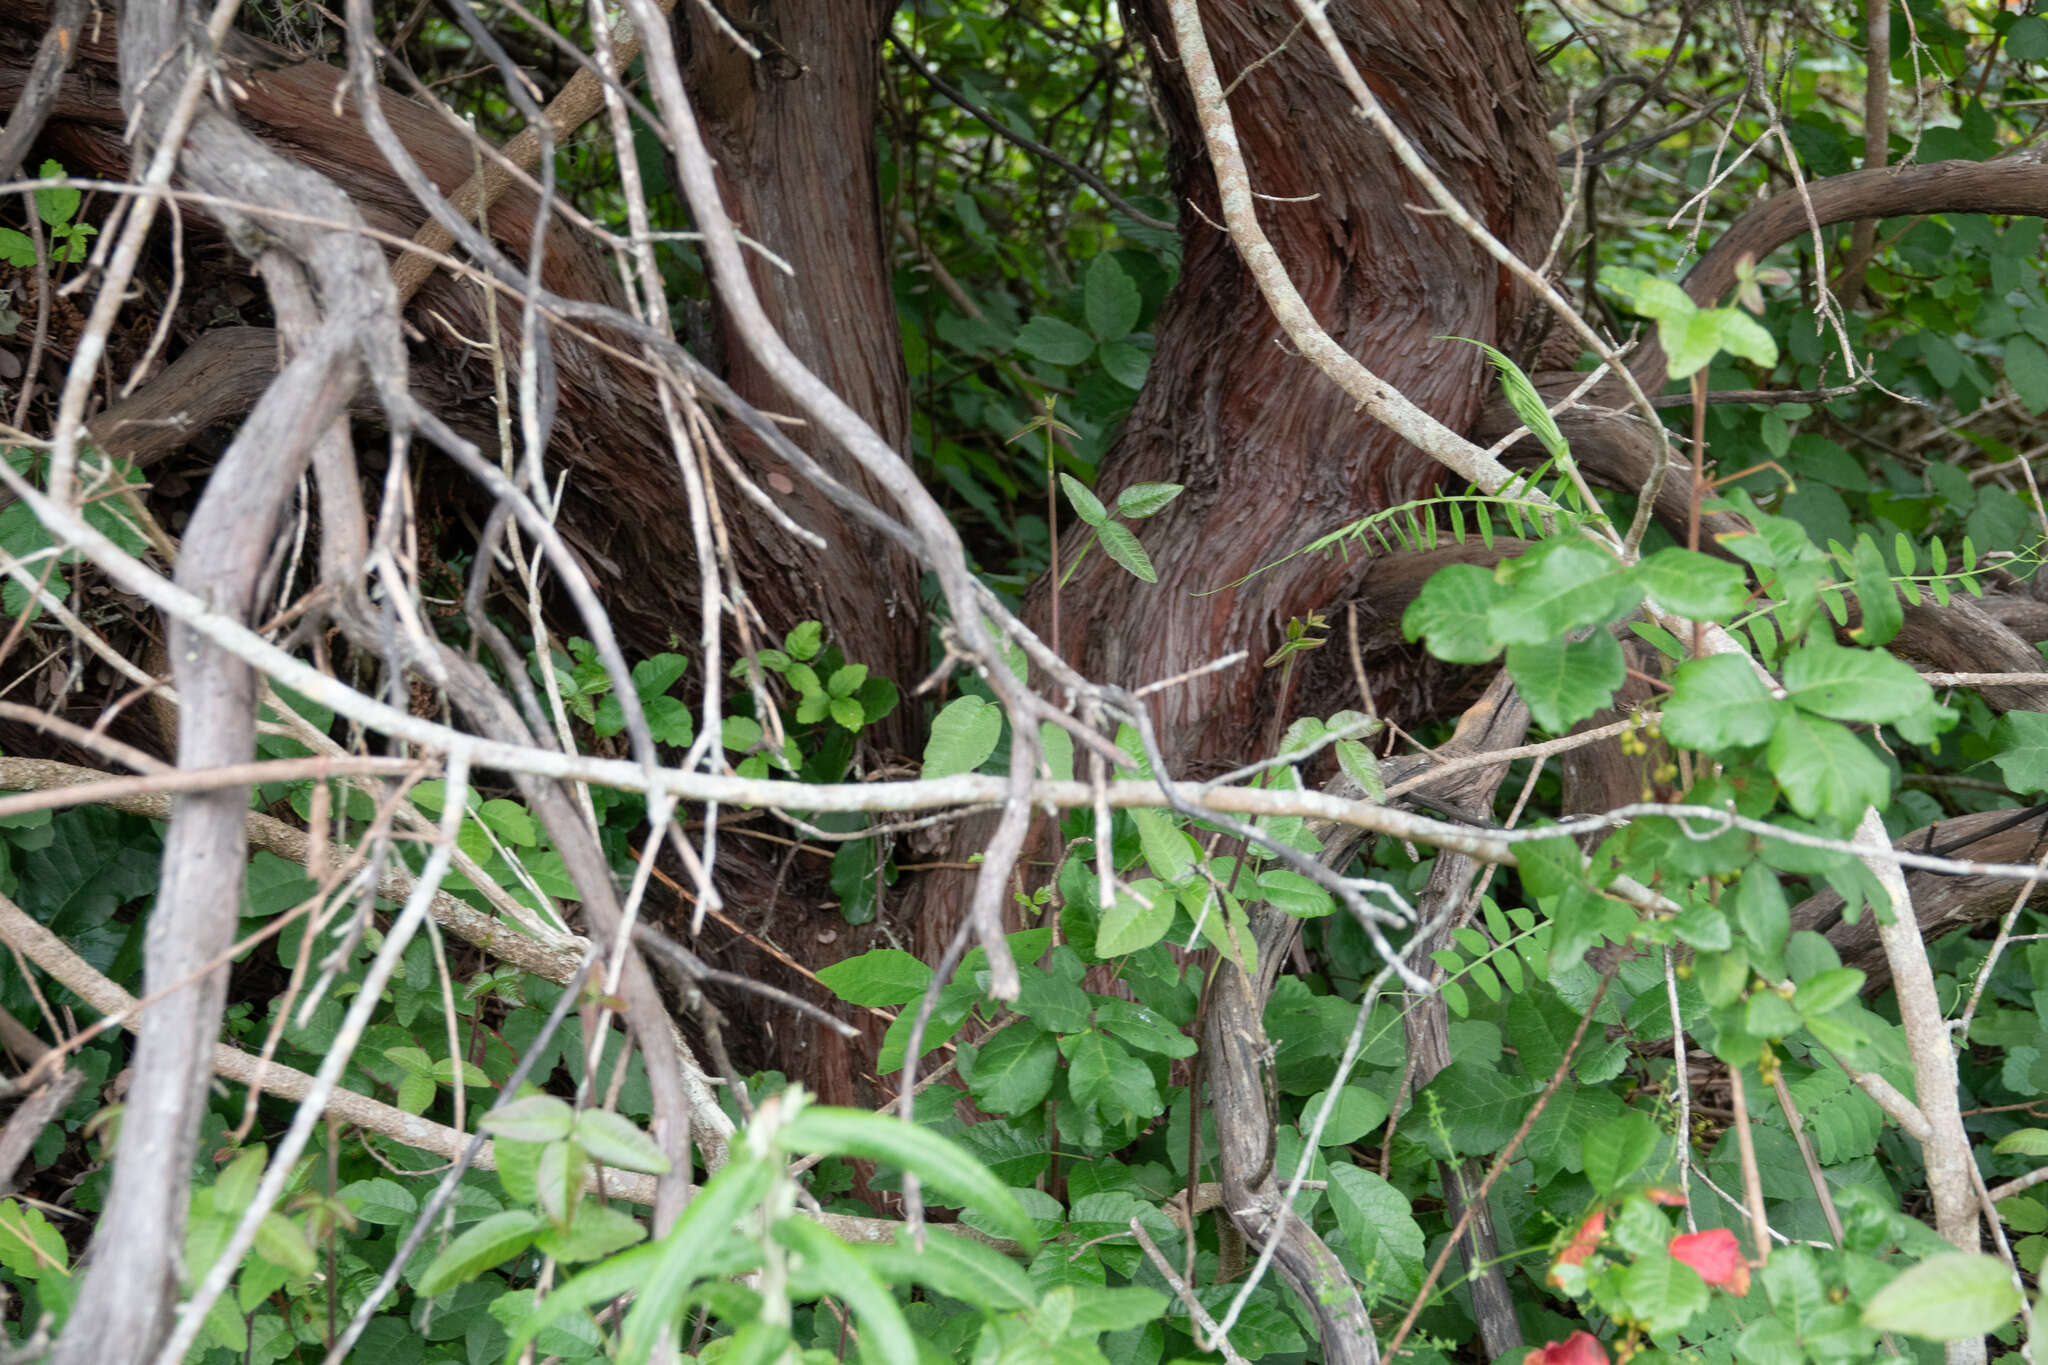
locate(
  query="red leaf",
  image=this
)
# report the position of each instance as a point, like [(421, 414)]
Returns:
[(1580, 1348), (1716, 1256), (1583, 1244)]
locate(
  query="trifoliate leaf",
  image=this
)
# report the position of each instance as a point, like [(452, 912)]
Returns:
[(1853, 684), (1055, 342), (1718, 702), (1696, 586), (1825, 769), (1450, 614), (1563, 682)]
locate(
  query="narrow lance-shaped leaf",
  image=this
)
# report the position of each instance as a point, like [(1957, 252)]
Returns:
[(1528, 404), (940, 1162)]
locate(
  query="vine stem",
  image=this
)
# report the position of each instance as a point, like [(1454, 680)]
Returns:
[(1500, 1163), (1752, 1179)]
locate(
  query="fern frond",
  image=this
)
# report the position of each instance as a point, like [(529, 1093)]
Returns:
[(1413, 526)]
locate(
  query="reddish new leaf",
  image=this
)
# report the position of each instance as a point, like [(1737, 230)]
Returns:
[(1580, 1348), (1583, 1244), (1716, 1256)]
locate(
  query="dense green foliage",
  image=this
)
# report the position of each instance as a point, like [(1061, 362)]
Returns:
[(1025, 304)]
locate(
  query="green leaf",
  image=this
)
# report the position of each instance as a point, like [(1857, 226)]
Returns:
[(1225, 926), (685, 1253), (415, 1093), (1450, 614), (2022, 757), (1141, 500), (1361, 767), (1826, 990), (853, 880), (1563, 682), (1703, 928), (1058, 747), (884, 1333), (1110, 299), (1169, 850), (1142, 914), (1696, 586), (1761, 913), (1295, 894), (1663, 640), (2027, 39), (1647, 295), (495, 1240), (1052, 1000), (1718, 702), (1853, 684), (56, 205), (1612, 1152), (29, 1245), (451, 1071), (956, 1267), (956, 1002), (383, 1202), (1481, 1107), (1125, 363), (1053, 341), (236, 1185), (283, 1243), (1690, 340), (940, 1162), (1014, 1070), (1086, 505), (877, 699), (847, 712), (596, 1231), (1882, 614), (656, 674), (1142, 1027), (963, 735), (1358, 1111), (1825, 769), (558, 1179), (1379, 1229), (1106, 1078), (805, 680), (1948, 1296), (1766, 1014), (805, 640), (1528, 404), (1744, 337), (1663, 1293), (884, 976), (615, 1140), (1560, 585), (2024, 1142), (1123, 547), (2026, 368)]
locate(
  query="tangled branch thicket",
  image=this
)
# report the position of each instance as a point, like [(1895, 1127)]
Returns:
[(572, 363)]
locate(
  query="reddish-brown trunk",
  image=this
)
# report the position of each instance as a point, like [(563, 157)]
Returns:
[(793, 136), (1272, 453)]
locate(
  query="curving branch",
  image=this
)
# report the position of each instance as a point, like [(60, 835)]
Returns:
[(124, 1303)]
